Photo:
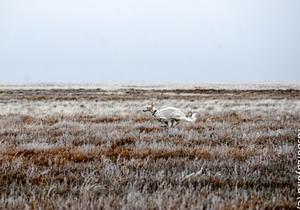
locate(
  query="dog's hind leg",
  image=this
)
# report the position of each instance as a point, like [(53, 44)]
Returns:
[(170, 123), (175, 122)]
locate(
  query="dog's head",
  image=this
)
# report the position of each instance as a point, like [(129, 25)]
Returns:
[(149, 108)]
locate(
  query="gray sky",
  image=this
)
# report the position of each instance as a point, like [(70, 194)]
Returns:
[(94, 41)]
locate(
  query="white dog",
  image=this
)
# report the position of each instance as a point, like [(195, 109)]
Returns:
[(169, 116)]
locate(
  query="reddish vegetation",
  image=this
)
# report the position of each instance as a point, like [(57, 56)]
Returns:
[(227, 160), (141, 94)]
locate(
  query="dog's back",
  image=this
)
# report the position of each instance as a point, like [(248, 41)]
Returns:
[(169, 113)]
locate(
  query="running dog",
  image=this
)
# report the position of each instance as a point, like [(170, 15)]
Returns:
[(169, 116)]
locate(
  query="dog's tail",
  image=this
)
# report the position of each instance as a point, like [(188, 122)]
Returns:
[(192, 119)]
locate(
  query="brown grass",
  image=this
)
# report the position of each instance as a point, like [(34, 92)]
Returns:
[(237, 159), (142, 94)]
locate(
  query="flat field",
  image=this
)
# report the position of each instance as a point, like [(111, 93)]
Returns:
[(94, 148)]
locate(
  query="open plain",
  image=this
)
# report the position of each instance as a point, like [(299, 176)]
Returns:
[(94, 148)]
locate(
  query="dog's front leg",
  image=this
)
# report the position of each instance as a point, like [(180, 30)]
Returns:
[(164, 124)]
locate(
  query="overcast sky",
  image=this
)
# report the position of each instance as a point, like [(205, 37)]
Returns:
[(94, 41)]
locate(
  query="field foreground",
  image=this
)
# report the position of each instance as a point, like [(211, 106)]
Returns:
[(96, 149)]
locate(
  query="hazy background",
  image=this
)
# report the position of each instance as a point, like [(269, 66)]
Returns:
[(158, 41)]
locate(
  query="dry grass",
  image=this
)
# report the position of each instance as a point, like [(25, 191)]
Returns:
[(70, 151)]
